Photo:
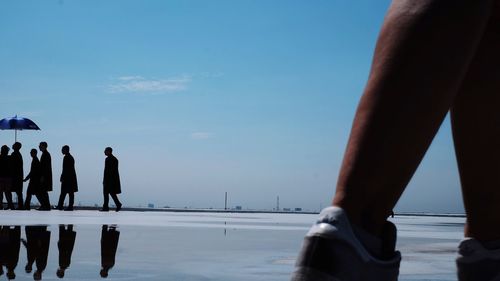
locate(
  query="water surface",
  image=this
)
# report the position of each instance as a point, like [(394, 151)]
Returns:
[(200, 246)]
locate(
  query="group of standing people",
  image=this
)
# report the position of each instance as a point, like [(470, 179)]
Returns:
[(40, 178)]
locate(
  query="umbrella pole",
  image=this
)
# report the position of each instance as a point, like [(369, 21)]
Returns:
[(15, 138)]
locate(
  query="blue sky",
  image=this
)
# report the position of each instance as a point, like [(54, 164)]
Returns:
[(197, 98)]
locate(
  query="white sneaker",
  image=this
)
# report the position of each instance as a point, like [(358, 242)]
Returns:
[(331, 252), (476, 263)]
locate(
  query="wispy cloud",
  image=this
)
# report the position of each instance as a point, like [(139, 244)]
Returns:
[(211, 74), (128, 78), (139, 84), (201, 135)]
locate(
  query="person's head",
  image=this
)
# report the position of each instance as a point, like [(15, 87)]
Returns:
[(17, 146), (104, 273), (108, 151), (4, 150), (65, 149), (28, 268), (60, 273), (43, 146), (11, 275), (37, 275), (33, 152)]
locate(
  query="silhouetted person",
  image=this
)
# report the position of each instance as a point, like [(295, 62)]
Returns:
[(111, 181), (37, 249), (109, 245), (10, 244), (4, 244), (66, 244), (45, 177), (16, 160), (69, 183), (5, 177), (30, 244), (34, 178)]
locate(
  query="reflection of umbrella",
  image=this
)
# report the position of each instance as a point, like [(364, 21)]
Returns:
[(17, 123)]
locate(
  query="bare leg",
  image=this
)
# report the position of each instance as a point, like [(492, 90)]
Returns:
[(476, 131), (422, 55)]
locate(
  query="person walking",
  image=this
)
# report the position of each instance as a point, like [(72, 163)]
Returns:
[(5, 178), (69, 184), (65, 245), (16, 160), (110, 237), (10, 245), (45, 177), (34, 178), (432, 57), (111, 181), (37, 245)]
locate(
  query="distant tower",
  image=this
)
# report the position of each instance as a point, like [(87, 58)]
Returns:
[(225, 201), (278, 203)]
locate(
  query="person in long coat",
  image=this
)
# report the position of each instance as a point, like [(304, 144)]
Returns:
[(5, 177), (65, 244), (69, 184), (37, 249), (34, 178), (45, 177), (109, 244), (16, 160), (10, 245), (111, 181)]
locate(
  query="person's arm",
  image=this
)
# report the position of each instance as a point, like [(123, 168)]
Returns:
[(27, 177), (64, 167)]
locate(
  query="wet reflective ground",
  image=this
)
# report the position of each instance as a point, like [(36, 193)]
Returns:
[(194, 246)]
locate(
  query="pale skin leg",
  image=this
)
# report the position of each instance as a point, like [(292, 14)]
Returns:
[(475, 116), (422, 56)]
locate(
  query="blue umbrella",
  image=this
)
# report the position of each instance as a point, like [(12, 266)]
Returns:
[(17, 123)]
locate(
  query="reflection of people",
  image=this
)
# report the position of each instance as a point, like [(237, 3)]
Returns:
[(5, 177), (111, 181), (10, 244), (30, 245), (37, 248), (45, 177), (66, 244), (16, 160), (109, 245), (4, 244), (432, 56), (69, 183), (34, 178)]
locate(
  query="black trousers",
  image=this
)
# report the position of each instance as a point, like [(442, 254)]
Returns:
[(43, 198), (8, 196), (106, 194), (19, 199), (27, 202), (63, 196)]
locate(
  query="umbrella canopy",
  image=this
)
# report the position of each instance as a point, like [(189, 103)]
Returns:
[(18, 123)]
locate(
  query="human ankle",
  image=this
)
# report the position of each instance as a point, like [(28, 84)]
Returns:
[(377, 236)]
